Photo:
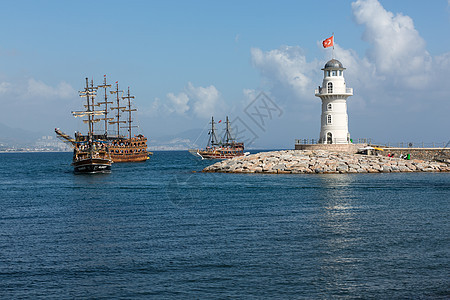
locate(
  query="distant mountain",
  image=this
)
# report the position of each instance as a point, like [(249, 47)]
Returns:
[(188, 139), (17, 137)]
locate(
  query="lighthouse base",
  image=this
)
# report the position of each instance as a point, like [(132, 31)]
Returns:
[(350, 148)]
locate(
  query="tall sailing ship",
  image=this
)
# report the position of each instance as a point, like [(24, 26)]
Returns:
[(127, 148), (90, 155), (225, 148), (120, 148)]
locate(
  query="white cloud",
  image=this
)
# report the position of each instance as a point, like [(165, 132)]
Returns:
[(205, 100), (286, 66), (443, 60), (36, 88), (250, 94), (4, 87), (32, 89), (194, 101), (397, 49), (178, 103), (358, 69), (35, 104)]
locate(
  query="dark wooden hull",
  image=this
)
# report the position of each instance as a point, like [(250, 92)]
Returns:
[(92, 166)]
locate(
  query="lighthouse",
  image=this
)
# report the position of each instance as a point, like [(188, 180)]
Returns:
[(334, 94)]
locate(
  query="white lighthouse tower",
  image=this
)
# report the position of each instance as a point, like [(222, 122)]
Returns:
[(334, 94)]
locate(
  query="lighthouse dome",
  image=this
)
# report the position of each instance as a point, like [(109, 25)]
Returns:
[(333, 64)]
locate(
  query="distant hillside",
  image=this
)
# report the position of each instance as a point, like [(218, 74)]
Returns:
[(17, 137), (192, 138)]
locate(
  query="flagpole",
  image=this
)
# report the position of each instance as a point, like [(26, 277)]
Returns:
[(332, 52)]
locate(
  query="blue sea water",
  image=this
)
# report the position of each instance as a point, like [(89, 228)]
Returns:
[(163, 229)]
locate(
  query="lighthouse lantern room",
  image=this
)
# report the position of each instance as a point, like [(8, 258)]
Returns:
[(334, 94)]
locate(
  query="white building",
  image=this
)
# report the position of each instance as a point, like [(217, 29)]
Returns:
[(334, 94)]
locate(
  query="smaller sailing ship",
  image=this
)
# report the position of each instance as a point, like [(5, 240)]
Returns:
[(220, 149), (90, 155)]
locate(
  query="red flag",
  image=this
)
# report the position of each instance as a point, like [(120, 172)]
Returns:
[(117, 82), (328, 42), (219, 121)]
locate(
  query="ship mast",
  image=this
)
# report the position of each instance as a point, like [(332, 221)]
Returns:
[(88, 109), (212, 134), (89, 92), (129, 110), (118, 107), (106, 119), (228, 137), (93, 91)]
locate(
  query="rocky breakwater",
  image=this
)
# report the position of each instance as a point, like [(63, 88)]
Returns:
[(322, 161)]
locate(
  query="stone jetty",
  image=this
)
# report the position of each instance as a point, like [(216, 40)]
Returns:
[(322, 162)]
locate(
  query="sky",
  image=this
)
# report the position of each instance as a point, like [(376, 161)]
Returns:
[(257, 62)]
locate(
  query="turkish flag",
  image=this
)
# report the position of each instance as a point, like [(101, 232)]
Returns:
[(328, 42)]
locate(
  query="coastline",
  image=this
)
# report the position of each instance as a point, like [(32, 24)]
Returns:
[(322, 162)]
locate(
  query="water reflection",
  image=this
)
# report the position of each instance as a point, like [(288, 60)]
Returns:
[(340, 233)]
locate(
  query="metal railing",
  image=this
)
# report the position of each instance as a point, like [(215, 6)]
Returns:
[(323, 90), (413, 144), (334, 141), (369, 141)]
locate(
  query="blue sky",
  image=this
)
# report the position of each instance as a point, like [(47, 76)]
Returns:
[(187, 60)]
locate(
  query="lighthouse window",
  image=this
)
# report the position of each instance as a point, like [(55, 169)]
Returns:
[(328, 119), (334, 73), (330, 87), (328, 73), (340, 72), (329, 106)]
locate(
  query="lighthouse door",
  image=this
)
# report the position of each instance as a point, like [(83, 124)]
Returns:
[(329, 138)]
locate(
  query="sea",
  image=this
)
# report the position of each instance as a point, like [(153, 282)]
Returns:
[(162, 229)]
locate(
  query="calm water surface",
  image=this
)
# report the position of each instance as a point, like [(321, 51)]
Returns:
[(160, 230)]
